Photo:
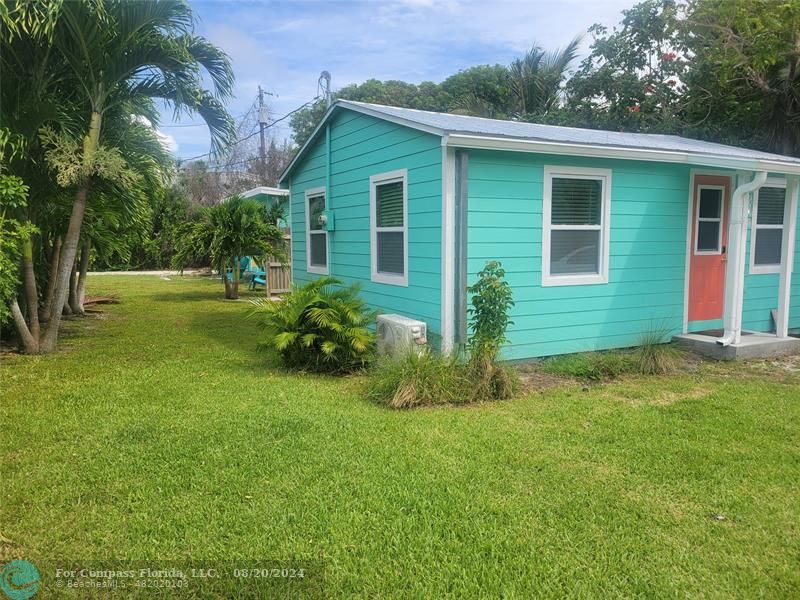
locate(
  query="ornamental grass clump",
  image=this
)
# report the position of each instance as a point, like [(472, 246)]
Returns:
[(321, 326)]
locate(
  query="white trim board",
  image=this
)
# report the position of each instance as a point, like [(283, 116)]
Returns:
[(619, 152), (448, 248)]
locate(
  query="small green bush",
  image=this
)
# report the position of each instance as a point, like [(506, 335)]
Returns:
[(417, 379), (594, 366), (320, 326)]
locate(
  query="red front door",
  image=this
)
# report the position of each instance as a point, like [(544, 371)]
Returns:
[(708, 252)]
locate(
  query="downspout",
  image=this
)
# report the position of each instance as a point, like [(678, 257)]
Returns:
[(328, 196), (734, 272)]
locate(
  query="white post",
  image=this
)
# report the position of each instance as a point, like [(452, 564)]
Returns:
[(448, 246), (787, 255)]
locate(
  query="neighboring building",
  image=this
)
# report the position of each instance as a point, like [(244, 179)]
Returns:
[(604, 235), (270, 196)]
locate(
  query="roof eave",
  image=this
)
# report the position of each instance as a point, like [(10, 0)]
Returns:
[(621, 152)]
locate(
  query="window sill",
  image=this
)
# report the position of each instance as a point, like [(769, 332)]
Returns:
[(561, 280), (399, 280), (317, 270), (766, 270)]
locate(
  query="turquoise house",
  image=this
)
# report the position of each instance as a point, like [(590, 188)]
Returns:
[(605, 236)]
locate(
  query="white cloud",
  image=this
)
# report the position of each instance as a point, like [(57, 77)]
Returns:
[(283, 46)]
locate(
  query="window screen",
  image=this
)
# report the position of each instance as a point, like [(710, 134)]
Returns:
[(576, 218), (768, 230), (390, 230), (317, 235)]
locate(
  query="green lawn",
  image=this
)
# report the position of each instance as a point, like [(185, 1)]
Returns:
[(159, 432)]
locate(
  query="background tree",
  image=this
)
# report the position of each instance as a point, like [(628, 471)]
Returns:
[(86, 58), (537, 77), (744, 84), (632, 78), (224, 234)]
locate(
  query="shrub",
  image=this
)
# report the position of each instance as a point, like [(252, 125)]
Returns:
[(654, 356), (491, 301), (594, 366), (422, 378), (418, 378), (320, 326)]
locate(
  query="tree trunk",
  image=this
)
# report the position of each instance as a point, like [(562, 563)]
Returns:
[(223, 269), (83, 270), (44, 314), (70, 245), (29, 284), (30, 344), (72, 296), (236, 266), (69, 249)]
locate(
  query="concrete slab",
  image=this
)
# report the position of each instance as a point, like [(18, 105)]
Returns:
[(752, 345)]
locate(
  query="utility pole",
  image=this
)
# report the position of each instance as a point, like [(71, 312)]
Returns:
[(262, 124)]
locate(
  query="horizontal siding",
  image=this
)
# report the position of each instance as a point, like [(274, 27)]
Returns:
[(362, 146), (647, 253)]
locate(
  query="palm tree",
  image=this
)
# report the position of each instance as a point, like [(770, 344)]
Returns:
[(537, 77), (112, 53), (226, 233)]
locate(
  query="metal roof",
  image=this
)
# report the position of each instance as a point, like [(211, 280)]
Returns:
[(477, 132)]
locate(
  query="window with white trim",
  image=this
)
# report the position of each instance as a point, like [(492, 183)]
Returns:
[(575, 226), (766, 242), (389, 227), (316, 234), (708, 236)]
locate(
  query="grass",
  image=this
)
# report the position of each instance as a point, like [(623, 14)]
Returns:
[(160, 433)]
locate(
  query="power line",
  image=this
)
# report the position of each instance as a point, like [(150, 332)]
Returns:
[(275, 122), (203, 124)]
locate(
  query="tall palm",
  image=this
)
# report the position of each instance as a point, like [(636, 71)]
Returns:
[(537, 77), (116, 51)]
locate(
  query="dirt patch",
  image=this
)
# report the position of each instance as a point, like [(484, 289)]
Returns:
[(534, 379)]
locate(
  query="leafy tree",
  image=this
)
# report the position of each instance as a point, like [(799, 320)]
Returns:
[(86, 58), (744, 84), (14, 244), (226, 233), (483, 90), (632, 78)]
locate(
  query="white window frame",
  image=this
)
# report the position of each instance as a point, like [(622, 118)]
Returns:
[(720, 220), (316, 269), (602, 175), (374, 182), (754, 227)]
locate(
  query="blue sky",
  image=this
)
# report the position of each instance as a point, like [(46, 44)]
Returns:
[(283, 45)]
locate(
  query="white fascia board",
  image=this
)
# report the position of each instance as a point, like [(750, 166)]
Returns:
[(618, 152)]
